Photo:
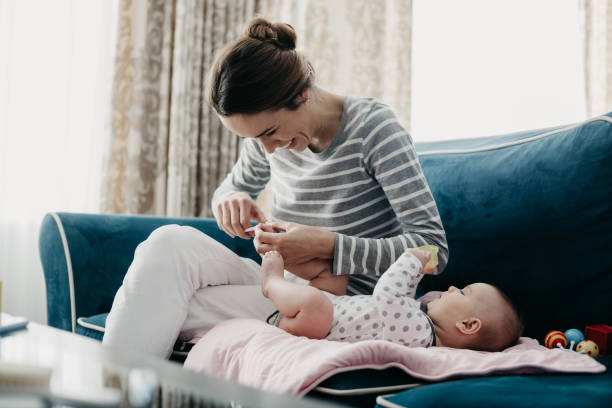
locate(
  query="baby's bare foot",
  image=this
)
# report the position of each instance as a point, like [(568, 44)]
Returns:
[(272, 266)]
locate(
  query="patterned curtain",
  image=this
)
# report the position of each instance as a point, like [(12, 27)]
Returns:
[(597, 28), (169, 151), (360, 47)]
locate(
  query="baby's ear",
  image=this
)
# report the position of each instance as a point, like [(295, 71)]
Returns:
[(471, 325)]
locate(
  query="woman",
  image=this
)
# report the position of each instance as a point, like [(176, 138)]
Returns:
[(347, 189)]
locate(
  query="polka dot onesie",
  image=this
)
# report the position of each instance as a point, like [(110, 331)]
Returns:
[(390, 313)]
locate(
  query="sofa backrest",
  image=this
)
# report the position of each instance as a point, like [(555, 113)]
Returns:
[(530, 212)]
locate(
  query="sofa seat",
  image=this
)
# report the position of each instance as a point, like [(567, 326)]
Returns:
[(92, 326)]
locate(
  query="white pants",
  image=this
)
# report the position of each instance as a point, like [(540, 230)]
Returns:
[(182, 283)]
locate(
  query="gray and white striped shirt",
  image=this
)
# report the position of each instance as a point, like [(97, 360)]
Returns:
[(367, 187)]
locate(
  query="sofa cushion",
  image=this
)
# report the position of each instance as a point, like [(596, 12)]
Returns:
[(566, 390), (530, 212), (92, 326), (359, 388)]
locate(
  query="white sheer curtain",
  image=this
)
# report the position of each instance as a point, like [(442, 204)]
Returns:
[(55, 79)]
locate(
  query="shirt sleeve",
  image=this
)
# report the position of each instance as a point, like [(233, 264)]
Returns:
[(390, 158), (250, 174), (403, 321), (400, 280)]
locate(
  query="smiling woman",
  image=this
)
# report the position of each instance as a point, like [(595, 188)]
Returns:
[(309, 126), (347, 190), (55, 77)]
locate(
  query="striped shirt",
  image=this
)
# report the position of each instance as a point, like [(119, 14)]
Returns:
[(367, 187)]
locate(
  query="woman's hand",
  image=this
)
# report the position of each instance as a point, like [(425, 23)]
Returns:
[(235, 212), (295, 242)]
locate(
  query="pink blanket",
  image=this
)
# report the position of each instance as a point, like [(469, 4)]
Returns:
[(256, 354)]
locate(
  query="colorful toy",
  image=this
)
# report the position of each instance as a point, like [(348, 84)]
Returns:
[(588, 347), (559, 339), (602, 335), (555, 339), (574, 336)]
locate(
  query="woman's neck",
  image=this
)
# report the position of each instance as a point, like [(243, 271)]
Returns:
[(326, 114)]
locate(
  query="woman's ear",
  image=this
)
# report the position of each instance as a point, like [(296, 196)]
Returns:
[(469, 326), (302, 97)]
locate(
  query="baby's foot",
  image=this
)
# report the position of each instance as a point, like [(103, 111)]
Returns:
[(272, 266)]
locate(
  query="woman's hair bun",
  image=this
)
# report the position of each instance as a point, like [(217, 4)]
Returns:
[(280, 34)]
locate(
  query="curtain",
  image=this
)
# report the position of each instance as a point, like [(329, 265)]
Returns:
[(168, 150), (360, 47), (55, 80), (597, 29)]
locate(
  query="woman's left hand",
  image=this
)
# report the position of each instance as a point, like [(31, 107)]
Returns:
[(296, 243)]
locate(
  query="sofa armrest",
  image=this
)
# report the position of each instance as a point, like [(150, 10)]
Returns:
[(85, 257)]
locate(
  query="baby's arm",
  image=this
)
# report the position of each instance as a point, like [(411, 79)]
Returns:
[(402, 320), (318, 271), (402, 278)]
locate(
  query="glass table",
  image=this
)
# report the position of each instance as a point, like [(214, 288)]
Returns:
[(73, 370)]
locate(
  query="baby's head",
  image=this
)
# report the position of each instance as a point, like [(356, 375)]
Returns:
[(478, 317)]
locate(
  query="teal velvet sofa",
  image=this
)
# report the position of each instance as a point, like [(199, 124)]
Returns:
[(530, 212)]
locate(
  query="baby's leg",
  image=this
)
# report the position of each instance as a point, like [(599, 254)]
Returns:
[(311, 269), (319, 273), (306, 310), (335, 284)]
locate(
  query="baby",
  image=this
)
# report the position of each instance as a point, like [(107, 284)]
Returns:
[(478, 317)]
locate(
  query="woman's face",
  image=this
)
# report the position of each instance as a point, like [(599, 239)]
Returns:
[(279, 129)]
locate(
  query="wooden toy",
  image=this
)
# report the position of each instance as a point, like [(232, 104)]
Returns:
[(574, 336), (555, 339), (602, 335), (588, 347)]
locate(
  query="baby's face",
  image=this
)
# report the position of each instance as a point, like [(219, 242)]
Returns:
[(458, 304)]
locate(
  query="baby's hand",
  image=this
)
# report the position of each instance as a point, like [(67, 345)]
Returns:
[(424, 257)]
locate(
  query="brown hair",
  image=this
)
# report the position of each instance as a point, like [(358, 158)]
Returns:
[(259, 71), (503, 330)]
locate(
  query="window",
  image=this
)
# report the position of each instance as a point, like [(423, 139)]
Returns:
[(55, 81), (484, 67)]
